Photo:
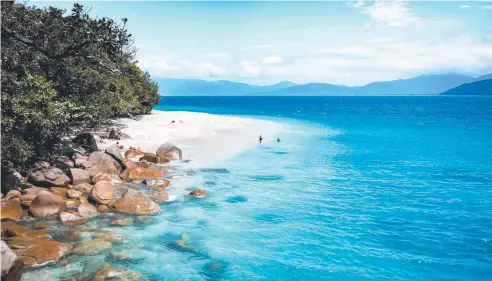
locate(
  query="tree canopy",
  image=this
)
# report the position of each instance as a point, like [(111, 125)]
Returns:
[(63, 71)]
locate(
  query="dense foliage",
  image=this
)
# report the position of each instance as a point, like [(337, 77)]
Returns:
[(64, 71)]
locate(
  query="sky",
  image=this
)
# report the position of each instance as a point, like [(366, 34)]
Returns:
[(338, 42)]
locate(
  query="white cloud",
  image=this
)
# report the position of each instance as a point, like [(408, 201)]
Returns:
[(274, 59), (385, 59), (250, 69), (464, 6), (266, 66), (162, 64), (487, 7), (392, 13)]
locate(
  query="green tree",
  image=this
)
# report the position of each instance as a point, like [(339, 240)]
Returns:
[(61, 72)]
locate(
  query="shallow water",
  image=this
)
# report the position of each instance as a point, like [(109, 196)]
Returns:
[(380, 188)]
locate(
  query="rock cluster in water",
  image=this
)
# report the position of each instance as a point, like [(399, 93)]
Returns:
[(72, 190)]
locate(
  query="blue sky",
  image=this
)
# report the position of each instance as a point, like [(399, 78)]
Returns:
[(351, 42)]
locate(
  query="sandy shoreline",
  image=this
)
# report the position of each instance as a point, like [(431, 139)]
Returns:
[(204, 138)]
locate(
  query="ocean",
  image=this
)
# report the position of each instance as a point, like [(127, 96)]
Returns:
[(358, 188)]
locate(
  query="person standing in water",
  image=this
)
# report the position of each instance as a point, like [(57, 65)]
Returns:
[(278, 139), (260, 139)]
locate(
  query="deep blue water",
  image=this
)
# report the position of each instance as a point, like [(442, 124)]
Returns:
[(360, 188)]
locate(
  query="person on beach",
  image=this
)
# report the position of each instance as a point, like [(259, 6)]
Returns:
[(260, 139)]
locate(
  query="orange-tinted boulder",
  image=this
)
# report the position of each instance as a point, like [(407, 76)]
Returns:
[(136, 203), (103, 209), (13, 194), (73, 193), (10, 230), (59, 191), (149, 157), (88, 210), (198, 193), (47, 204), (129, 164), (72, 203), (34, 251), (83, 187), (79, 176), (104, 163), (11, 209), (141, 174), (28, 198), (100, 176), (33, 190), (102, 192), (132, 153)]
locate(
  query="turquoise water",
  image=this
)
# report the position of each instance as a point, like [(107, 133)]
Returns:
[(360, 188)]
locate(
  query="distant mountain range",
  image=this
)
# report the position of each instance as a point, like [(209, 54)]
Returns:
[(481, 87), (420, 85)]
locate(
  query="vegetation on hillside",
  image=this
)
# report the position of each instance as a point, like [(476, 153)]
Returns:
[(62, 71)]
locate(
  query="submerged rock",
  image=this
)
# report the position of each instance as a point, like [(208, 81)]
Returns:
[(169, 151), (11, 209), (159, 183), (116, 274), (92, 247), (47, 204), (34, 251), (48, 177), (122, 256), (159, 196), (136, 203), (215, 170), (11, 264), (121, 222), (71, 219), (40, 225)]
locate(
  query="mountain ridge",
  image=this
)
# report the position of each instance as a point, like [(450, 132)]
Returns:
[(431, 84)]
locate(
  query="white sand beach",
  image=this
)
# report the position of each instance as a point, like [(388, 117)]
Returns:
[(204, 138)]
